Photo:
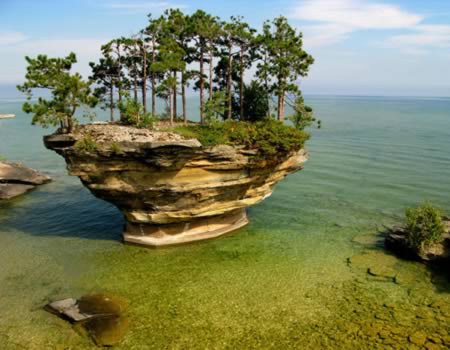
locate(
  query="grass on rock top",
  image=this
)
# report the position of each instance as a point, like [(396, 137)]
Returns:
[(268, 137)]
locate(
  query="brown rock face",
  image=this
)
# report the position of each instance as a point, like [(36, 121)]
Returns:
[(172, 190)]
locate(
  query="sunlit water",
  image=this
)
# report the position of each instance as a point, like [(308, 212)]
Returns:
[(296, 277)]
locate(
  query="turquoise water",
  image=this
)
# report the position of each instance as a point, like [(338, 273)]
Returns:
[(296, 277)]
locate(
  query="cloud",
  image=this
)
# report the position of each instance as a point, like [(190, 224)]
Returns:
[(86, 49), (356, 14), (137, 7), (422, 36), (9, 38), (335, 20)]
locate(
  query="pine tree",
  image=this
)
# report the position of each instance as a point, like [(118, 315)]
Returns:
[(106, 74), (68, 91), (284, 60)]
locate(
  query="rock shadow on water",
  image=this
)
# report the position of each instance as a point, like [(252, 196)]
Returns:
[(99, 316), (74, 212)]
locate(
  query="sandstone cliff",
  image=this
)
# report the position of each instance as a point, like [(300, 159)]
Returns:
[(171, 190)]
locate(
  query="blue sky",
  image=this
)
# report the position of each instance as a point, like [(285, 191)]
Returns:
[(361, 47)]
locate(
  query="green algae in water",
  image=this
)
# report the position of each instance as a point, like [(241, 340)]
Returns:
[(282, 282)]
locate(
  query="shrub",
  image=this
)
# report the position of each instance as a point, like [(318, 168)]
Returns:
[(132, 113), (424, 226), (86, 144), (116, 149), (269, 137)]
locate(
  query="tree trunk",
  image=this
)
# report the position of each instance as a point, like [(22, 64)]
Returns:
[(119, 78), (175, 109), (170, 107), (153, 80), (135, 83), (229, 76), (210, 74), (183, 96), (202, 86), (144, 78), (241, 85), (266, 83), (69, 125), (281, 105), (111, 101)]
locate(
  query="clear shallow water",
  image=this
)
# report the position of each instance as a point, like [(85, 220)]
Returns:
[(296, 277)]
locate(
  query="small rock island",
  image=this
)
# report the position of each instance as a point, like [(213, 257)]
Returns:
[(180, 175), (171, 189)]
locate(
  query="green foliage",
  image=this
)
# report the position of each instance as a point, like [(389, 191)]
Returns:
[(86, 144), (283, 59), (215, 107), (303, 116), (116, 149), (68, 91), (256, 101), (133, 114), (269, 137), (424, 225)]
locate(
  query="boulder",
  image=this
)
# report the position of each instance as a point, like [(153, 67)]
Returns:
[(99, 315), (16, 179)]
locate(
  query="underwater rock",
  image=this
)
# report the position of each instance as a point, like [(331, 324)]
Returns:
[(377, 265), (171, 190), (100, 316), (16, 179), (396, 241)]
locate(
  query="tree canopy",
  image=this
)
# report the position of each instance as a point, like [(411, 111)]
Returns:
[(172, 51)]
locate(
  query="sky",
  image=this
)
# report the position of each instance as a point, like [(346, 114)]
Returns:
[(361, 47)]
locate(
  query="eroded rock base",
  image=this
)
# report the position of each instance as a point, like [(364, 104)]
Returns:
[(184, 232)]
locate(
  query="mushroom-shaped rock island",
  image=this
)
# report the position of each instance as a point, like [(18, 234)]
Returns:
[(171, 189)]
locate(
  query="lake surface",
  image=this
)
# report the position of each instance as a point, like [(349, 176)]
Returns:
[(296, 277)]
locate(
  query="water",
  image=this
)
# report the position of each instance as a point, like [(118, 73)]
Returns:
[(296, 277)]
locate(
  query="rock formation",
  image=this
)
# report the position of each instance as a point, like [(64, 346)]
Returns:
[(171, 190), (16, 179), (396, 241), (7, 116)]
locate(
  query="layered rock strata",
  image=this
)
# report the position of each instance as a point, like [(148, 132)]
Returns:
[(171, 190)]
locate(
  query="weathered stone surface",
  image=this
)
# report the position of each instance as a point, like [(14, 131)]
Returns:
[(172, 190), (16, 179)]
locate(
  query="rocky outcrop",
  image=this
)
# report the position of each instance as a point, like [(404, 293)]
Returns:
[(16, 179), (171, 190), (396, 241), (7, 116)]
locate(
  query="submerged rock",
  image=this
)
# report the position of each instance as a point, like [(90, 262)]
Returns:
[(171, 190), (100, 316), (16, 179)]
